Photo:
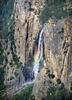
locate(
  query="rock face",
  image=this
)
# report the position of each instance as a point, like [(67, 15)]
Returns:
[(57, 65), (20, 29), (26, 28)]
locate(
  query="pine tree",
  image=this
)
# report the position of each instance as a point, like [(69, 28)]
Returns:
[(58, 9)]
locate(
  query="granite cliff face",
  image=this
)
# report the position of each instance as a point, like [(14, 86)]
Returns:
[(19, 33), (57, 65), (27, 27), (20, 29)]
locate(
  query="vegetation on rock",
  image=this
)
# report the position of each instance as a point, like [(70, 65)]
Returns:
[(25, 94), (55, 9), (57, 93), (2, 86)]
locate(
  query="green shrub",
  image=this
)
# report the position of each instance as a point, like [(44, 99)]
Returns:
[(56, 9), (58, 93), (2, 86), (25, 94)]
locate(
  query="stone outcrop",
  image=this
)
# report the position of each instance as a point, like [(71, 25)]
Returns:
[(27, 27), (20, 29), (57, 64)]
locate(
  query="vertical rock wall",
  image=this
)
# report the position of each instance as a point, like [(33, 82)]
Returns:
[(57, 65), (26, 27)]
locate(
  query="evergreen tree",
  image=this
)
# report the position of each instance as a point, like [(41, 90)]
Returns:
[(56, 9)]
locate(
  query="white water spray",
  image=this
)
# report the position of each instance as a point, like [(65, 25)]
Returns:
[(22, 83), (40, 54)]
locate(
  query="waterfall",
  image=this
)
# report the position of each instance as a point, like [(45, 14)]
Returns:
[(29, 76), (40, 54)]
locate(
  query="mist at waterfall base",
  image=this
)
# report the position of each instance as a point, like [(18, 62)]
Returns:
[(27, 75)]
